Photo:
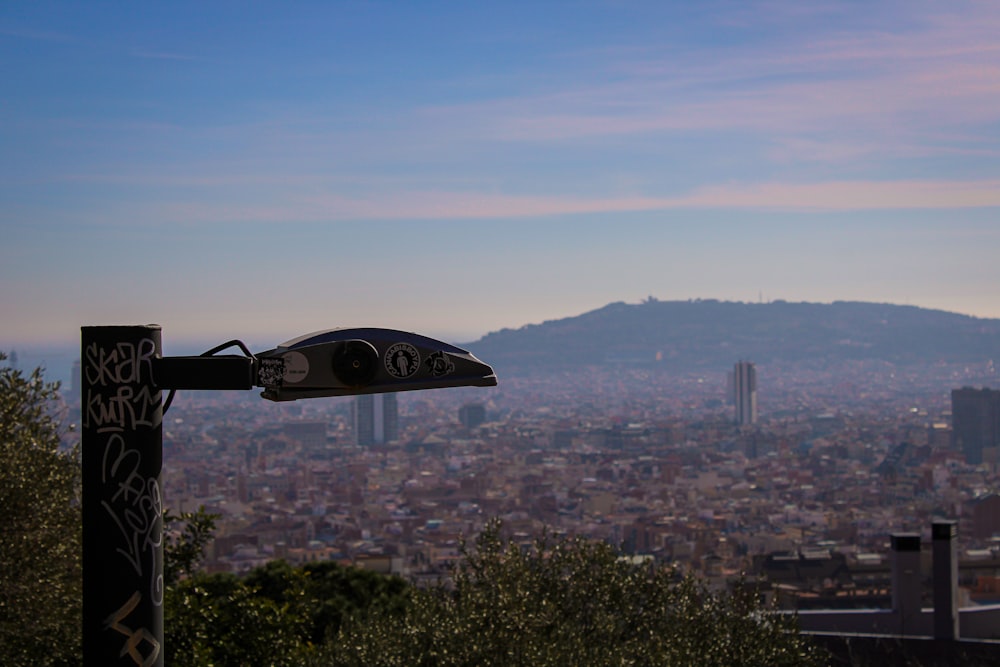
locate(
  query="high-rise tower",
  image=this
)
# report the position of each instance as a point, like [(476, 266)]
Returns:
[(745, 392), (376, 419), (975, 420), (472, 415)]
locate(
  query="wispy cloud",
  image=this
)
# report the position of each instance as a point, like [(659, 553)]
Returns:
[(812, 197), (830, 196), (851, 97), (856, 87), (851, 195), (36, 35), (161, 55)]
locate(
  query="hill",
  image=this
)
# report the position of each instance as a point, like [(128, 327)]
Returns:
[(689, 335)]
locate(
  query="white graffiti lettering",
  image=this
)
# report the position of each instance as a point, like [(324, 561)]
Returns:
[(123, 364), (126, 409), (136, 506)]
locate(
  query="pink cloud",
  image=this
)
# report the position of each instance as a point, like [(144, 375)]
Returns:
[(851, 195), (941, 72), (811, 197)]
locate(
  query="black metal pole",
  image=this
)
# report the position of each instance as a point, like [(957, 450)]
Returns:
[(122, 440)]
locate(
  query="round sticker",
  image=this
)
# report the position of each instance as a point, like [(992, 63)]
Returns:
[(402, 360), (296, 367)]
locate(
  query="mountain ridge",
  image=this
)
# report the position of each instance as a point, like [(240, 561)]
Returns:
[(700, 333)]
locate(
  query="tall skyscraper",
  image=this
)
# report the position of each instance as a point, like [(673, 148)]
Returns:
[(745, 392), (376, 419), (975, 421), (472, 415)]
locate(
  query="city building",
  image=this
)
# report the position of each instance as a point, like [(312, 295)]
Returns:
[(472, 415), (745, 393), (976, 423), (376, 419), (309, 435)]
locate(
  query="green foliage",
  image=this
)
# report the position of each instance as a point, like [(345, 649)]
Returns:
[(326, 593), (184, 550), (568, 602), (219, 620), (41, 533), (336, 594), (276, 615)]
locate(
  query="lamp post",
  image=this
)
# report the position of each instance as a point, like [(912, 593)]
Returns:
[(123, 374)]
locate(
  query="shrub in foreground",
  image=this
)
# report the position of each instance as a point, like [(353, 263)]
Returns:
[(568, 602)]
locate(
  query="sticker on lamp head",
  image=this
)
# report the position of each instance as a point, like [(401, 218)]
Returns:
[(402, 360), (272, 369), (439, 364), (296, 367)]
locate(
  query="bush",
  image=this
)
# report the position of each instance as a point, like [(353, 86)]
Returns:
[(41, 532), (568, 602)]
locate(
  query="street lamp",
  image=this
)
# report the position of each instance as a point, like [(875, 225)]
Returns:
[(123, 374)]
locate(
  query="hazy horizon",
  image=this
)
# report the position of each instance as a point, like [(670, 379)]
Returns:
[(194, 345), (57, 358)]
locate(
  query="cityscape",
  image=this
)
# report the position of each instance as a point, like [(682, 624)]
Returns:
[(726, 474)]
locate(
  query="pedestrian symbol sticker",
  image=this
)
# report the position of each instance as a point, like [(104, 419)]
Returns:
[(402, 360)]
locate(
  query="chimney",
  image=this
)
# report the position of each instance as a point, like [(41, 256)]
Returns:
[(945, 579), (906, 584)]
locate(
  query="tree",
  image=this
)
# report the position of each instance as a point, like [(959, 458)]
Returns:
[(41, 531), (217, 619), (568, 602), (327, 593), (184, 545), (221, 619), (275, 615)]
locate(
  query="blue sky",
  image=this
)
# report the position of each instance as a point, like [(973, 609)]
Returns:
[(261, 170)]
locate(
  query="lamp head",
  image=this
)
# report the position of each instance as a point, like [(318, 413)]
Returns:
[(345, 362)]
